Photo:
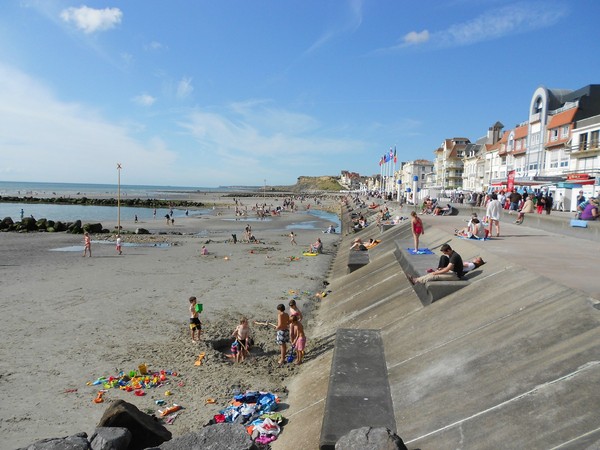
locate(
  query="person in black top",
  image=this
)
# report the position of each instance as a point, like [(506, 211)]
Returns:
[(452, 272)]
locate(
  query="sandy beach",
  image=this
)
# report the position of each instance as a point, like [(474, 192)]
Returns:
[(68, 320)]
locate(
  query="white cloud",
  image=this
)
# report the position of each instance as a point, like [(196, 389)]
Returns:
[(154, 45), (45, 139), (144, 100), (90, 20), (184, 88), (415, 37), (348, 23), (239, 141), (494, 24)]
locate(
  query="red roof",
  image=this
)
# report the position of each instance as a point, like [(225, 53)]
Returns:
[(520, 132), (562, 118)]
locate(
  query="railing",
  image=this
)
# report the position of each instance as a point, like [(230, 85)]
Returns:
[(584, 146)]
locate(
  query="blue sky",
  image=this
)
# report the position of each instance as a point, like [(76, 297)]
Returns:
[(210, 93)]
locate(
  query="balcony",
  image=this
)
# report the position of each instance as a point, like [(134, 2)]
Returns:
[(584, 149)]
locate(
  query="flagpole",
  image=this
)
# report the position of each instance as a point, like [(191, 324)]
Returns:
[(118, 198)]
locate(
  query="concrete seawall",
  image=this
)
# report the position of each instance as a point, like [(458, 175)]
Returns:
[(509, 361)]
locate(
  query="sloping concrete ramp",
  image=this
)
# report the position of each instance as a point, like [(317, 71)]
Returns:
[(359, 392), (510, 361)]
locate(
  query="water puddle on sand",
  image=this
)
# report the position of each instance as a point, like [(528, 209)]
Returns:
[(79, 248)]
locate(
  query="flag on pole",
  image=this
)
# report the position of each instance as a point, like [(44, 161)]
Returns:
[(395, 157)]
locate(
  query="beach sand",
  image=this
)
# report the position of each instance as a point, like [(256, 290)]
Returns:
[(68, 320)]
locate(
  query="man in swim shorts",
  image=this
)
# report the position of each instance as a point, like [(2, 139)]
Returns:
[(283, 333)]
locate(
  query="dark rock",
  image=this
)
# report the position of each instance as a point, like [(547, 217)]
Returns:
[(141, 231), (76, 442), (145, 430), (110, 438), (28, 223), (221, 436), (60, 226), (41, 223), (92, 227), (367, 438)]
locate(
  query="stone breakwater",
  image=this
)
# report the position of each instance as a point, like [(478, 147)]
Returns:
[(28, 224), (132, 202)]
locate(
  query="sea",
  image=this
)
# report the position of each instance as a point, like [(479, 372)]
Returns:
[(70, 213)]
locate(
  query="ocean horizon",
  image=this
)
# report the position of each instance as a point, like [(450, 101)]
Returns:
[(46, 189)]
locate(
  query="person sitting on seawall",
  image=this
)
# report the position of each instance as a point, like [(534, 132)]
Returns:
[(467, 265), (453, 271), (590, 212), (475, 230), (526, 209), (371, 243), (317, 247), (358, 245), (330, 230)]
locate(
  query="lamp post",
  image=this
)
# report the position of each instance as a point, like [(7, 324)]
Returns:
[(118, 198), (265, 193)]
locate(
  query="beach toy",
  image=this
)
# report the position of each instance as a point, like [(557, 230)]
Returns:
[(169, 410), (143, 369), (139, 392), (100, 380), (167, 393), (199, 307), (160, 402), (201, 356), (99, 398)]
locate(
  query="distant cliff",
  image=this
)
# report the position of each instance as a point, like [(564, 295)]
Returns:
[(311, 184)]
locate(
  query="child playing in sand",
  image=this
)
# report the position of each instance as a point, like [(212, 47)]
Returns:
[(294, 311), (195, 325), (298, 338), (283, 333), (204, 250), (293, 238), (240, 346)]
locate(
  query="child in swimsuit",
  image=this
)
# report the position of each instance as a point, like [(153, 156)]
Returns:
[(195, 325), (298, 338)]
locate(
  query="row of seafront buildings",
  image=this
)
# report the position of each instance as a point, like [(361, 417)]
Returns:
[(557, 148)]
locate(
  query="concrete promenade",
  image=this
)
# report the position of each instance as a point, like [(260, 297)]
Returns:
[(510, 361)]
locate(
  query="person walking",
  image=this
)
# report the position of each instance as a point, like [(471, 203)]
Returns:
[(493, 211), (87, 244)]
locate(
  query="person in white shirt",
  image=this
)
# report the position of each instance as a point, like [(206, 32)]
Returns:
[(493, 211)]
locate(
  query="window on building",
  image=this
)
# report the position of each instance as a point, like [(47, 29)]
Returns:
[(554, 160), (518, 146), (533, 166), (535, 138), (564, 132), (583, 140), (554, 134), (594, 139), (564, 161)]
